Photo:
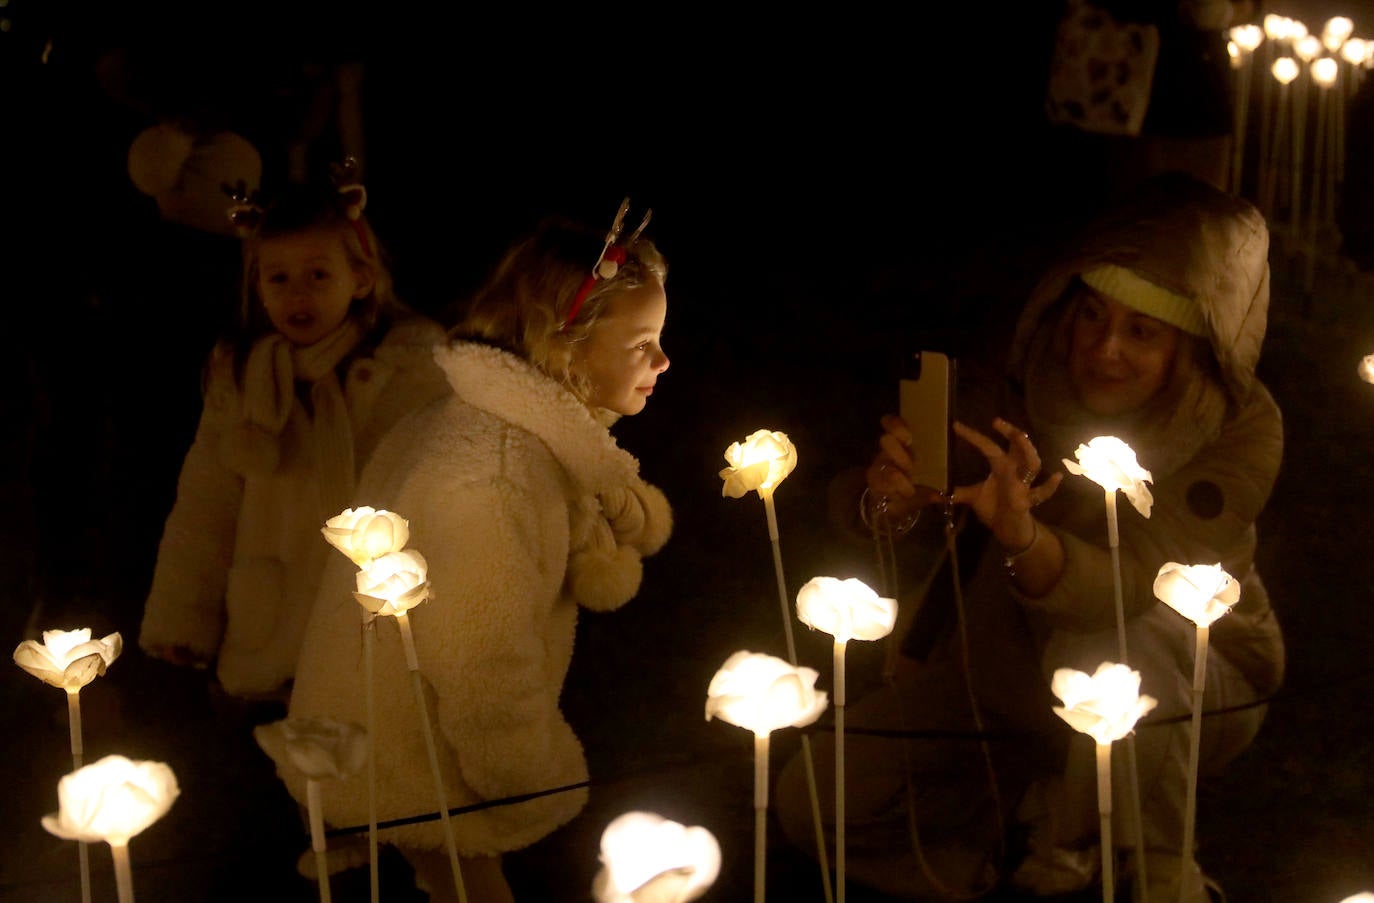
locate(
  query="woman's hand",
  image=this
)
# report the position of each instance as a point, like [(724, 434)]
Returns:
[(1004, 500), (889, 475)]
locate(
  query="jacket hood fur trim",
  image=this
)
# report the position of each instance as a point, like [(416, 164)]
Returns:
[(501, 383)]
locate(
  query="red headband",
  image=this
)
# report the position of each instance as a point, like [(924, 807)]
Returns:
[(610, 260)]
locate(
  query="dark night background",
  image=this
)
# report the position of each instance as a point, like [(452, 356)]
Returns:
[(833, 187)]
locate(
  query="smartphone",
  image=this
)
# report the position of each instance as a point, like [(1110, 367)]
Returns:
[(926, 403)]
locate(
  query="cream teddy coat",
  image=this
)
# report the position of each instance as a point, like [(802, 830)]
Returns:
[(240, 557), (525, 508)]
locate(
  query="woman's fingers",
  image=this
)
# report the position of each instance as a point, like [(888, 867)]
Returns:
[(991, 450), (897, 428), (1042, 493)]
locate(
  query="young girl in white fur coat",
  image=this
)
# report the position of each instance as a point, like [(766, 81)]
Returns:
[(323, 361), (525, 508)]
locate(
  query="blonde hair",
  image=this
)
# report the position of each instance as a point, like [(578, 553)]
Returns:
[(523, 305)]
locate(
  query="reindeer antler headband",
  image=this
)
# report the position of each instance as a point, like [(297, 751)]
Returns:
[(613, 254)]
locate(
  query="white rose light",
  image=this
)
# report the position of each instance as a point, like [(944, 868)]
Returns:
[(1111, 464), (648, 859), (322, 749), (1335, 31), (1105, 706), (364, 534), (1201, 593), (845, 609), (1367, 368), (758, 464), (69, 660), (1354, 51), (112, 800), (762, 693), (391, 586)]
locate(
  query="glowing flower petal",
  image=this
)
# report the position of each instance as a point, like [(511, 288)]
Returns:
[(763, 693), (845, 609), (366, 534), (69, 659), (394, 583), (112, 800), (646, 857), (758, 464), (1106, 705), (1200, 592), (1111, 464), (321, 748)]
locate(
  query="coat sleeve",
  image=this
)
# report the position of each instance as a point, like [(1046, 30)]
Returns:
[(185, 606), (1203, 514), (490, 639)]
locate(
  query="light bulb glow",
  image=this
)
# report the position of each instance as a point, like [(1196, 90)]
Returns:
[(1354, 51), (1324, 71), (112, 800), (1104, 705), (68, 659), (1111, 464), (1277, 27), (393, 584), (646, 857), (1247, 37), (758, 464), (845, 609), (762, 693), (1200, 592), (1307, 49), (1367, 368), (365, 534), (1284, 69)]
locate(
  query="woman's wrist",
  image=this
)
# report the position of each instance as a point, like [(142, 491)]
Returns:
[(1013, 552)]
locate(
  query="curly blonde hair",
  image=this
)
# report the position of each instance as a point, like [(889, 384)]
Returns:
[(523, 305)]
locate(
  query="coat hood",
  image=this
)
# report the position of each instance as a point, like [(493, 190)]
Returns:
[(1190, 238)]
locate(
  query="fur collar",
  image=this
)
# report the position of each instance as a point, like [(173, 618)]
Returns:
[(503, 384)]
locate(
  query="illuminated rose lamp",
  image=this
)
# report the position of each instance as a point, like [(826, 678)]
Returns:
[(111, 801), (364, 535), (323, 749), (763, 693), (1335, 31), (1105, 706), (1284, 71), (1245, 39), (1363, 897), (1366, 368), (391, 586), (1111, 464), (759, 464), (845, 609), (1324, 73), (1277, 29), (645, 858), (1201, 593), (70, 659)]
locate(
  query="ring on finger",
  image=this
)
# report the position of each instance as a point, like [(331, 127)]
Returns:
[(1028, 477)]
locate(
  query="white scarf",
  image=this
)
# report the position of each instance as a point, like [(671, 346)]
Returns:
[(270, 375)]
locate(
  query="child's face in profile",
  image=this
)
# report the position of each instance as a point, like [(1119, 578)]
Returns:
[(623, 356), (307, 284)]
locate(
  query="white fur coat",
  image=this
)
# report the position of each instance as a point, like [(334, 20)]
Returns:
[(525, 508), (239, 562)]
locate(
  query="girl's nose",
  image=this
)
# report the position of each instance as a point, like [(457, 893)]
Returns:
[(662, 363)]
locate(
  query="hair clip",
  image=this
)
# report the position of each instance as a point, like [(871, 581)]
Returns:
[(608, 262), (245, 213), (352, 195)]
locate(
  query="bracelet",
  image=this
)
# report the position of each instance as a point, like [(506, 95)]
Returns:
[(1009, 560), (877, 520)]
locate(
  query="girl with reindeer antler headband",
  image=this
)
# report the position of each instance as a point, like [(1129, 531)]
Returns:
[(322, 360), (525, 509)]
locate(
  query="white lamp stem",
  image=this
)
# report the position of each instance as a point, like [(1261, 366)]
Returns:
[(760, 814), (807, 759), (839, 770), (1194, 745), (124, 879), (83, 853), (312, 796), (1104, 810), (409, 640), (1133, 783), (369, 647)]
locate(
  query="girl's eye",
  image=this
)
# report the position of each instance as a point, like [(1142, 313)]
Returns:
[(276, 278)]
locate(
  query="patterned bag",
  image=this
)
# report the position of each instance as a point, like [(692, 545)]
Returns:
[(1101, 71)]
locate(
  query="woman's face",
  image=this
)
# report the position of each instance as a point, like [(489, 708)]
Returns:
[(623, 356), (1119, 358)]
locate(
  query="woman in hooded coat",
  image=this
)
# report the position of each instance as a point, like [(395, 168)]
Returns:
[(1150, 331)]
